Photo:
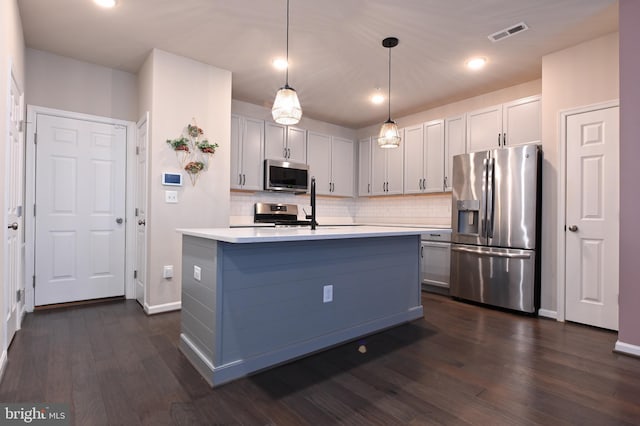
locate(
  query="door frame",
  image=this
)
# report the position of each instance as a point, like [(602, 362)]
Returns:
[(30, 192), (143, 121), (561, 283)]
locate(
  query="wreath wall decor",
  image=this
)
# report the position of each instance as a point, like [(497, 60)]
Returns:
[(193, 151)]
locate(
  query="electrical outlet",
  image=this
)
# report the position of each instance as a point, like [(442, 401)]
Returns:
[(197, 273), (327, 294), (171, 197), (167, 271)]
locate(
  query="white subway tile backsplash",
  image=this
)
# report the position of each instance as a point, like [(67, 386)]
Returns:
[(433, 209)]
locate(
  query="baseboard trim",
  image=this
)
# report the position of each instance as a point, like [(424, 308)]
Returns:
[(166, 307), (548, 314), (3, 363), (627, 349)]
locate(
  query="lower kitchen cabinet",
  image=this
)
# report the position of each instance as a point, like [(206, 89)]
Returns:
[(435, 261)]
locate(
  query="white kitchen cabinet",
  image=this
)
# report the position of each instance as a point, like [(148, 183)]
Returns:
[(509, 124), (364, 167), (521, 122), (247, 141), (413, 159), (331, 163), (387, 169), (285, 143), (454, 144), (424, 158), (342, 167), (319, 156), (435, 263), (434, 156)]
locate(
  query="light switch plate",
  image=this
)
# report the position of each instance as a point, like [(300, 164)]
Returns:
[(167, 271), (171, 197), (197, 273)]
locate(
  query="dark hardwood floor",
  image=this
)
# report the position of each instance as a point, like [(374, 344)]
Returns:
[(462, 364)]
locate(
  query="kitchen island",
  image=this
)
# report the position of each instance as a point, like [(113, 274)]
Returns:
[(253, 298)]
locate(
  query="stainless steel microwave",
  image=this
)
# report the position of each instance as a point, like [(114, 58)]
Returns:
[(285, 176)]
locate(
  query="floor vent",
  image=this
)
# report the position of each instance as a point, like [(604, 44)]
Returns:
[(508, 32)]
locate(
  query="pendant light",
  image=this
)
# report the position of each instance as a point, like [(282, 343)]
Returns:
[(389, 136), (286, 107)]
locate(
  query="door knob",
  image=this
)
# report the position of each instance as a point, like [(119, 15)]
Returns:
[(13, 226), (142, 222), (573, 228), (118, 220)]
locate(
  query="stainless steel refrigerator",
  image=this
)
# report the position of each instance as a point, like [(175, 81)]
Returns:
[(495, 227)]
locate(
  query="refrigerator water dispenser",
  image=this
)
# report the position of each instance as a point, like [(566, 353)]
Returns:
[(468, 213)]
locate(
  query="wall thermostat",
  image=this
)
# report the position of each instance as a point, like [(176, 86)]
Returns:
[(172, 179)]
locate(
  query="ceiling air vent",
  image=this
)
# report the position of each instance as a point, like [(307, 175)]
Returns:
[(508, 32)]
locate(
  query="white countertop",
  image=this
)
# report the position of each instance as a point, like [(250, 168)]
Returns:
[(269, 235)]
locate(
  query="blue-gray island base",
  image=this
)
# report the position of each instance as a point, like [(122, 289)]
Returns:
[(261, 304)]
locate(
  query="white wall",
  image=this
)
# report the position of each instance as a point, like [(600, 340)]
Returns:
[(578, 76), (179, 90), (11, 55), (63, 83)]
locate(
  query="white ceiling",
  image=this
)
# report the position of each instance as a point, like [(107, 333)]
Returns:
[(336, 56)]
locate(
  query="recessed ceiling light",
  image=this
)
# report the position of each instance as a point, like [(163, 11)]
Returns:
[(476, 63), (377, 99), (105, 3), (280, 64)]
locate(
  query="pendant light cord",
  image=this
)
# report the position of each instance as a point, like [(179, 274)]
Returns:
[(287, 70), (389, 82)]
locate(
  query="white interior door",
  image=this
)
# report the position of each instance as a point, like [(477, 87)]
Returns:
[(14, 254), (141, 209), (592, 218), (80, 209)]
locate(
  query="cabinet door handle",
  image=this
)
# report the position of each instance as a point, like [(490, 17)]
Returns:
[(504, 139), (445, 182), (368, 188), (240, 179), (419, 183), (244, 179), (422, 252), (499, 144)]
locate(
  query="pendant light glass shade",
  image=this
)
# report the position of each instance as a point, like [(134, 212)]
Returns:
[(389, 136), (286, 108)]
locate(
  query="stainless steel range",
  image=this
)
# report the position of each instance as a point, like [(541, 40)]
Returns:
[(278, 215)]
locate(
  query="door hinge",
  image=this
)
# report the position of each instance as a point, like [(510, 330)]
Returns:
[(34, 210), (35, 139), (18, 296), (34, 282), (21, 126), (136, 212), (137, 150), (135, 274)]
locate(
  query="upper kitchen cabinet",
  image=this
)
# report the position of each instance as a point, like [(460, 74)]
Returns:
[(247, 140), (285, 143), (364, 167), (386, 169), (510, 124), (454, 144), (331, 163), (424, 158)]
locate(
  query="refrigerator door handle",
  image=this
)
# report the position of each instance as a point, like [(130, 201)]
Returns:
[(484, 252), (490, 180), (483, 201)]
